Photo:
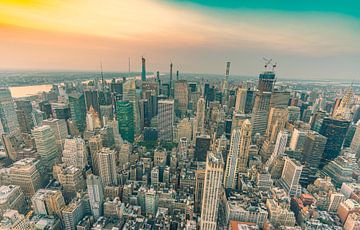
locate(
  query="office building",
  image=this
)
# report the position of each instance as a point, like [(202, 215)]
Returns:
[(199, 127), (181, 95), (73, 213), (335, 131), (95, 191), (48, 202), (107, 166), (202, 146), (25, 174), (8, 119), (262, 102), (240, 102), (212, 191), (125, 119), (60, 130), (290, 177), (238, 157), (78, 110), (24, 114), (165, 119), (75, 153), (46, 146), (11, 197), (92, 101)]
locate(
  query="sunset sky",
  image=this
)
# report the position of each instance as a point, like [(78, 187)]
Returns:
[(308, 40)]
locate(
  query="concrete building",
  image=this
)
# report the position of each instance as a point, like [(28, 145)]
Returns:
[(46, 146), (8, 119), (166, 116), (95, 191), (11, 197), (25, 174), (75, 153), (60, 131), (107, 166), (291, 176), (214, 173), (181, 95), (48, 202), (12, 219)]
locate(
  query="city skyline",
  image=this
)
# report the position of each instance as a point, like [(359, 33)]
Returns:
[(310, 40)]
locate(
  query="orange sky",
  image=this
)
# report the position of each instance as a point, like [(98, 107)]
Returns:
[(78, 34)]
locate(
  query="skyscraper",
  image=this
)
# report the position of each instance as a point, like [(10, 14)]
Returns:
[(129, 94), (95, 190), (24, 173), (200, 117), (202, 146), (166, 118), (78, 110), (92, 100), (107, 166), (225, 85), (46, 146), (8, 119), (125, 118), (240, 102), (262, 102), (143, 69), (335, 131), (75, 153), (24, 114), (60, 130), (212, 191), (48, 202), (238, 156), (355, 143), (181, 95), (290, 177)]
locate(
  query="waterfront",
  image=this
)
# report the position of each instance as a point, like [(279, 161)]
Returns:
[(24, 91)]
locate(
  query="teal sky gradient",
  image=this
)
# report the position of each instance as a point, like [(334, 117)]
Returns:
[(345, 7)]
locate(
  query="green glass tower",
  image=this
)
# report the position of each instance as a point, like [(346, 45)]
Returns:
[(78, 110), (125, 117)]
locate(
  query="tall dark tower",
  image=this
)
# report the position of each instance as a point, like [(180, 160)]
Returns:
[(335, 131), (177, 75), (171, 85), (143, 71)]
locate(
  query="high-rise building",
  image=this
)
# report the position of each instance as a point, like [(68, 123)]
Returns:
[(143, 69), (237, 159), (46, 146), (95, 145), (166, 118), (107, 166), (291, 176), (202, 146), (8, 119), (250, 96), (78, 110), (129, 94), (344, 108), (73, 213), (75, 153), (225, 90), (181, 95), (199, 127), (92, 100), (70, 178), (11, 197), (297, 141), (212, 191), (95, 190), (355, 143), (199, 188), (24, 173), (279, 147), (60, 130), (125, 118), (48, 202), (262, 102), (294, 113), (276, 122), (12, 219), (184, 129), (279, 99), (335, 131), (240, 102), (24, 114), (313, 150)]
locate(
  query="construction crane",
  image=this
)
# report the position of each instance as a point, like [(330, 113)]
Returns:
[(267, 62)]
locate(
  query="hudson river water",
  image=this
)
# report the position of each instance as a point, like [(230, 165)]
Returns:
[(23, 91)]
